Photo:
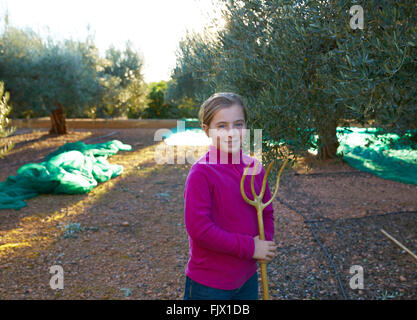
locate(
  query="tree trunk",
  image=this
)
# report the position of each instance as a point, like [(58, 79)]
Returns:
[(59, 125), (328, 143)]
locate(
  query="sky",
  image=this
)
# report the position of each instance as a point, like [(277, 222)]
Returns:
[(154, 27)]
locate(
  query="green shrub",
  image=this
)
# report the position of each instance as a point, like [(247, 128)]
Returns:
[(157, 107)]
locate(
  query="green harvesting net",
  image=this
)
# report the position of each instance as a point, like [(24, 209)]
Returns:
[(384, 155), (72, 169)]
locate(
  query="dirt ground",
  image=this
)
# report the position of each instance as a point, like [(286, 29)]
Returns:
[(133, 244)]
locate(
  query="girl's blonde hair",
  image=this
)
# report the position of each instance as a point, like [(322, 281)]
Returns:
[(219, 101)]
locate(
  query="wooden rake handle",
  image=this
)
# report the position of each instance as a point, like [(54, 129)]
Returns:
[(411, 253), (259, 205)]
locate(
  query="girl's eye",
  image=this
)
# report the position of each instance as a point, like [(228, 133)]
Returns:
[(221, 126), (239, 124)]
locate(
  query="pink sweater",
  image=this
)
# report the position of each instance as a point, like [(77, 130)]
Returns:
[(220, 224)]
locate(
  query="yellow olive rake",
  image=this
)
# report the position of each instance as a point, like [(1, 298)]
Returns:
[(259, 205)]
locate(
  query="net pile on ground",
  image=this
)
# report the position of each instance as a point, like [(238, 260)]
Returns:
[(74, 168), (371, 150), (366, 150)]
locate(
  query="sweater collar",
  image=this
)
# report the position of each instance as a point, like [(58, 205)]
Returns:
[(217, 156)]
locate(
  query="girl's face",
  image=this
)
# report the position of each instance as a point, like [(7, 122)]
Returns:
[(226, 129)]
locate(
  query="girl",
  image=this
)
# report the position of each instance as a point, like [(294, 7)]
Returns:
[(222, 228)]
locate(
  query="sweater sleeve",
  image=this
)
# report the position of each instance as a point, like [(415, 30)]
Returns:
[(200, 226), (268, 213)]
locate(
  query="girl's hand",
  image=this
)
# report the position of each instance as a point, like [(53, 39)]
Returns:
[(264, 250)]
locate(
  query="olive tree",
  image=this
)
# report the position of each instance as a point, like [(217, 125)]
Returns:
[(305, 69)]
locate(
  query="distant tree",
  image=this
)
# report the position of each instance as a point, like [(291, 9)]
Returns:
[(109, 105), (126, 64), (194, 76), (17, 48), (186, 104), (135, 98), (69, 78), (156, 106), (124, 72), (48, 77)]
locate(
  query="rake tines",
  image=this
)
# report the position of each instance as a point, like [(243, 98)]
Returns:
[(259, 205)]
